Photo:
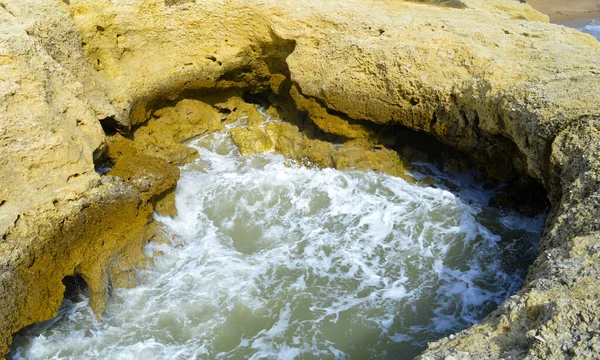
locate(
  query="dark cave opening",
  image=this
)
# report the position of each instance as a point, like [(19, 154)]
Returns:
[(76, 288)]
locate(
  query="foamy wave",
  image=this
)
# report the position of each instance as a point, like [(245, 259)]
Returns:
[(592, 29), (285, 262)]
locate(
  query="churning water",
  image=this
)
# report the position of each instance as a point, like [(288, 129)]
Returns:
[(590, 26), (592, 29), (276, 261)]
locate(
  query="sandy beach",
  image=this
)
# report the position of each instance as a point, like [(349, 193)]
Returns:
[(562, 11)]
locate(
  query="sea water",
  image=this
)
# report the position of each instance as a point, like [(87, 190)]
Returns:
[(588, 26), (270, 260), (592, 29)]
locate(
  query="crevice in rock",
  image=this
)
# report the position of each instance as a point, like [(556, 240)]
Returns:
[(524, 194), (111, 126), (76, 291), (261, 98), (76, 288)]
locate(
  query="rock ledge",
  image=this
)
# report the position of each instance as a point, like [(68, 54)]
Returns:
[(492, 79)]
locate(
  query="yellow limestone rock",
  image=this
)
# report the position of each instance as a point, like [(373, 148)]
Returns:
[(241, 112), (286, 139), (491, 78), (153, 177), (251, 141), (163, 134), (327, 122)]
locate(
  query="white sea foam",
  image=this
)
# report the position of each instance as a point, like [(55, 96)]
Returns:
[(287, 262), (592, 29)]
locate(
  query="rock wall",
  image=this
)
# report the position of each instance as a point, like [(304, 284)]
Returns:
[(58, 217), (491, 78)]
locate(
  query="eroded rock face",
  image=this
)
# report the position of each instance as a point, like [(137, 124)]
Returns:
[(490, 78), (58, 217)]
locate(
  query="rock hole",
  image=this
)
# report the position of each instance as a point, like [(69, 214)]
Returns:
[(237, 74), (500, 122), (381, 31), (433, 120), (73, 176), (76, 289), (212, 58), (103, 165), (414, 101), (260, 98), (2, 202), (464, 118), (100, 28), (110, 125), (67, 2)]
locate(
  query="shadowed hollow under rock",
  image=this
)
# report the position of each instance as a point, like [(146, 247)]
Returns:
[(492, 79)]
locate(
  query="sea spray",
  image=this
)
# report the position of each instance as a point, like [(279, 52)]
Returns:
[(275, 260)]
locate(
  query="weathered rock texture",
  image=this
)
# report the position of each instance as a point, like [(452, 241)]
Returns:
[(490, 78), (58, 217)]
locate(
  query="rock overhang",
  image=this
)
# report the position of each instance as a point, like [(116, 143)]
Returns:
[(490, 73)]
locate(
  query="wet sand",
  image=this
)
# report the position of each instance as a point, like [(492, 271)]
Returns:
[(563, 11)]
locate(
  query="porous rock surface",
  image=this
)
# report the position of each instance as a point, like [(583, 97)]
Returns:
[(490, 78)]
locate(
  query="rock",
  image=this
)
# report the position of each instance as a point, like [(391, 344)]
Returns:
[(490, 78), (58, 217), (327, 122), (286, 139), (153, 177), (251, 141), (82, 236), (162, 135)]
